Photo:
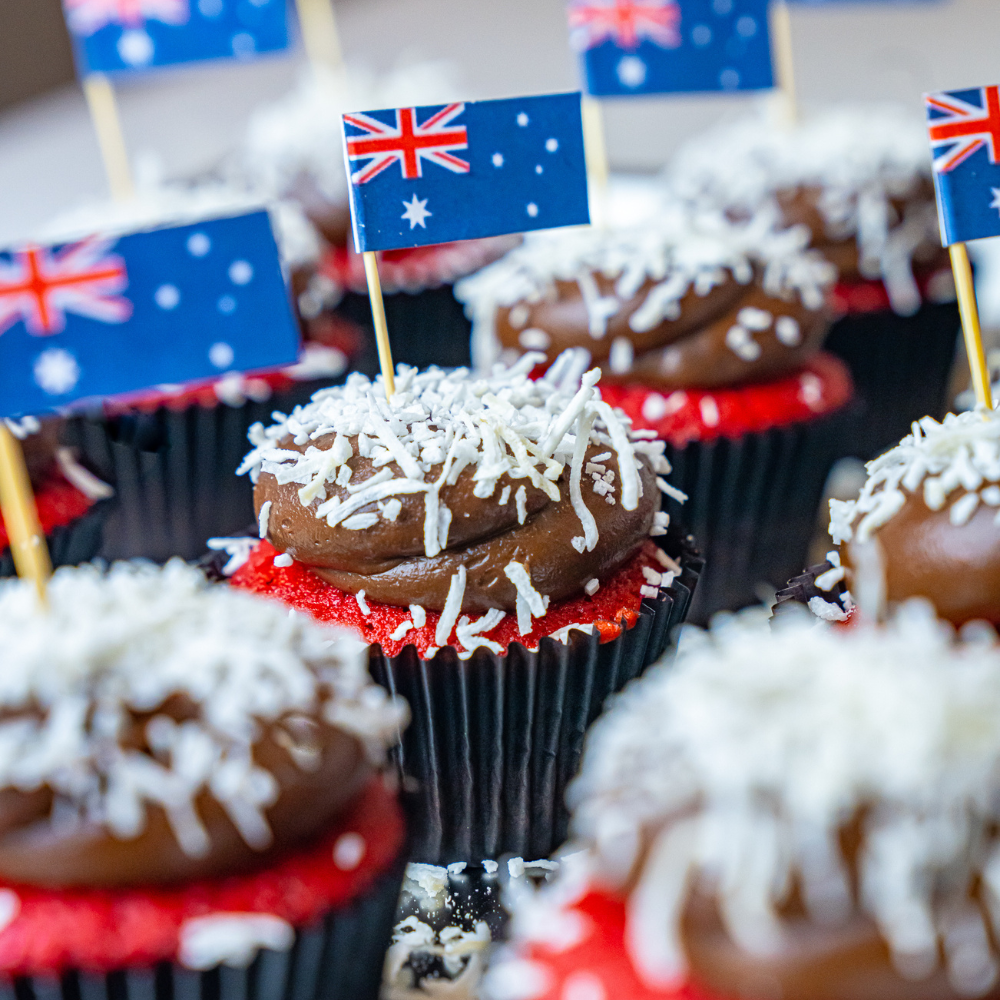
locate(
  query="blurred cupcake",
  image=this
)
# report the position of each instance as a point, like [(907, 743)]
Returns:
[(491, 538), (192, 798), (171, 450), (859, 179), (293, 149), (809, 813), (708, 333), (72, 502), (925, 524)]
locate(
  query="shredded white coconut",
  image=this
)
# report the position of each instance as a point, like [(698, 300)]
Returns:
[(677, 249), (439, 424), (955, 462), (231, 939), (861, 158), (113, 647), (238, 550), (263, 518), (741, 760)]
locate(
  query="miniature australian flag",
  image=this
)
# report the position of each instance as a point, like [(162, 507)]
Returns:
[(107, 315), (118, 36), (464, 171), (964, 127), (631, 47)]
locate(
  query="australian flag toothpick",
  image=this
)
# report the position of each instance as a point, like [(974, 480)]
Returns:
[(964, 127), (111, 315), (114, 36), (633, 47), (464, 171)]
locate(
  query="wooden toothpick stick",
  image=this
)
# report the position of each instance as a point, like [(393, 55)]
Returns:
[(320, 37), (110, 137), (20, 515), (381, 327), (966, 290), (596, 151), (784, 59)]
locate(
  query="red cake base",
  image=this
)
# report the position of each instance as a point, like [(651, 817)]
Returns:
[(684, 415), (59, 502), (596, 964), (618, 598), (102, 930), (851, 298)]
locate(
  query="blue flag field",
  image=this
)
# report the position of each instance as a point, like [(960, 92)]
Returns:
[(118, 36), (632, 47), (964, 130), (104, 316), (464, 171)]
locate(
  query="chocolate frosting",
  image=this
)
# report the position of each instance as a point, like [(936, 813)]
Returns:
[(956, 567), (690, 351), (387, 560), (38, 851)]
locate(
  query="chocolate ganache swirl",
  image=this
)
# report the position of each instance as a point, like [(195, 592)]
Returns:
[(463, 493), (689, 299), (805, 812), (927, 518), (155, 729)]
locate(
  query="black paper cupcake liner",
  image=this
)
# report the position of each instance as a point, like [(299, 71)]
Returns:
[(70, 544), (339, 958), (174, 473), (801, 589), (752, 504), (901, 367), (425, 328), (494, 740)]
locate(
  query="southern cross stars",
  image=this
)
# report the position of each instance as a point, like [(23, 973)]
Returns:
[(416, 213), (995, 203)]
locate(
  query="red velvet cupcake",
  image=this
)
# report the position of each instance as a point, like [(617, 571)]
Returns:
[(808, 813), (72, 502), (490, 537), (858, 178), (708, 333), (192, 797)]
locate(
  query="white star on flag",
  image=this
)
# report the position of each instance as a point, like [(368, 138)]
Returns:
[(995, 203), (56, 371), (416, 213)]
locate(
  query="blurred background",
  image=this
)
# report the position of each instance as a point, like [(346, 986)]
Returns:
[(191, 117)]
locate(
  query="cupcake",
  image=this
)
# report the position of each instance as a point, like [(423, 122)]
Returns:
[(72, 502), (293, 149), (925, 524), (808, 813), (192, 799), (708, 334), (858, 178), (171, 450), (491, 537)]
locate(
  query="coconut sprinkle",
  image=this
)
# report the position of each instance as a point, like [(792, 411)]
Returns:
[(742, 760), (955, 464), (112, 648)]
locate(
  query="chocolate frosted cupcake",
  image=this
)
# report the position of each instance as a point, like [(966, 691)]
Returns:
[(925, 524), (809, 813), (859, 180), (191, 793), (72, 502), (171, 450), (492, 537), (708, 333), (293, 150)]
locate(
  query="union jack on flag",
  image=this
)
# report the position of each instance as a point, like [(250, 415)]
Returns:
[(408, 142), (964, 131), (41, 286), (624, 22), (84, 17)]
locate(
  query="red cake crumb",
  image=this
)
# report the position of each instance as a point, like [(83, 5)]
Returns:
[(822, 386), (59, 502), (596, 963), (617, 599), (101, 930)]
